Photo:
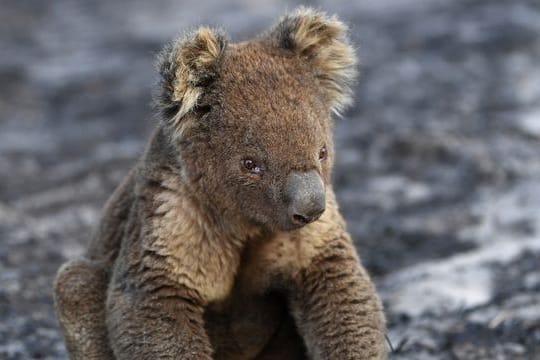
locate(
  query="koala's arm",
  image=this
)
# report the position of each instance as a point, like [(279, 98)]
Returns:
[(160, 321), (336, 307)]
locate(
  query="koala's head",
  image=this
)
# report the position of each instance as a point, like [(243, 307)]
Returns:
[(252, 121)]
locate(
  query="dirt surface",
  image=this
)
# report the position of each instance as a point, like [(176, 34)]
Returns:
[(437, 172)]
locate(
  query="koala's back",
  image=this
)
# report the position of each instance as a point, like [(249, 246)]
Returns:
[(106, 244)]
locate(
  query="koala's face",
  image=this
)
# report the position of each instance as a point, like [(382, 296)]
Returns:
[(271, 137), (253, 119)]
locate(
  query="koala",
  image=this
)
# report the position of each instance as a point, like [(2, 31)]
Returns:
[(225, 240)]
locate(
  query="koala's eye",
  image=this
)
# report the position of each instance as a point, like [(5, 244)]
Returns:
[(323, 153), (252, 166), (202, 109)]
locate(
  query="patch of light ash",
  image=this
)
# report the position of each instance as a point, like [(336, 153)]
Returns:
[(465, 280)]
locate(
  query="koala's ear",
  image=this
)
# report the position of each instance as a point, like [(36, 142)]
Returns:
[(187, 66), (320, 40)]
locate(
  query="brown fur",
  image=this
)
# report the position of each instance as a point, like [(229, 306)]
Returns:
[(196, 258)]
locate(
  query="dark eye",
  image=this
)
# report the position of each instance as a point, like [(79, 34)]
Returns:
[(252, 166), (323, 153), (202, 110)]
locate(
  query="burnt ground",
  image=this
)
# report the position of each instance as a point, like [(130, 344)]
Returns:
[(437, 172)]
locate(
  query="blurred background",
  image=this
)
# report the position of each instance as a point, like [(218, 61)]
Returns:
[(437, 173)]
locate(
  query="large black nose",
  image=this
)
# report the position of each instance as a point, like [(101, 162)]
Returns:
[(306, 197)]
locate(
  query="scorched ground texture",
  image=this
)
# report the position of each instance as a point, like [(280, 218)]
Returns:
[(438, 165)]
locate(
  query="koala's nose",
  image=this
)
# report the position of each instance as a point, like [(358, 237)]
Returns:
[(306, 197)]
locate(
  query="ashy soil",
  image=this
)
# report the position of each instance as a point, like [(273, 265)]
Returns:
[(437, 173)]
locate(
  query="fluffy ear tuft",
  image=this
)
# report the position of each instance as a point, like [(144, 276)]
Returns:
[(320, 40), (187, 66)]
